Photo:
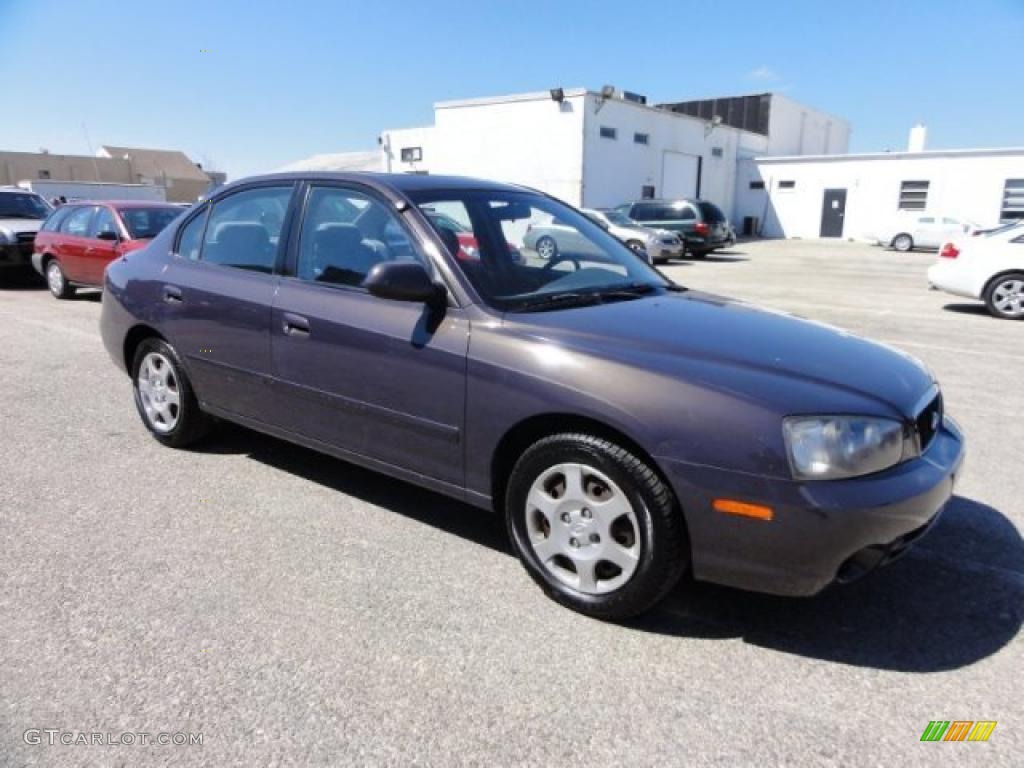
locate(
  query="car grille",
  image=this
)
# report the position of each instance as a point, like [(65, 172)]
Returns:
[(928, 422), (668, 240)]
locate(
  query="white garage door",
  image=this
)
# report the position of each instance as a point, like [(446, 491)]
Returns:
[(679, 175)]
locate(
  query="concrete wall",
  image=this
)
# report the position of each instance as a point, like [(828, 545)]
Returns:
[(796, 129), (965, 184), (616, 170)]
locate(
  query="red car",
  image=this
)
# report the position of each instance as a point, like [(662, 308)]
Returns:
[(79, 239)]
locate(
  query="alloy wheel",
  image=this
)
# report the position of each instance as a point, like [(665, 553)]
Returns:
[(159, 391), (55, 278), (582, 528), (546, 248), (1008, 297)]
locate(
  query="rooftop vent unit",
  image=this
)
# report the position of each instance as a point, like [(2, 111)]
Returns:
[(636, 98)]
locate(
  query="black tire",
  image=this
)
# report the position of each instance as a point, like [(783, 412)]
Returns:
[(664, 552), (902, 243), (636, 246), (191, 424), (698, 254), (56, 280), (996, 301), (546, 242)]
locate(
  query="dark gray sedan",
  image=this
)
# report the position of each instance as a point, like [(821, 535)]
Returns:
[(628, 428)]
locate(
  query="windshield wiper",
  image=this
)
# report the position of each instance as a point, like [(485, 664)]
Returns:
[(623, 292)]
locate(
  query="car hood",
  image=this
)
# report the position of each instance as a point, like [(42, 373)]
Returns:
[(21, 225), (647, 232), (757, 353)]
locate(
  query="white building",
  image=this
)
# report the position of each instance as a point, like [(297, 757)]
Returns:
[(774, 166), (600, 149), (852, 196)]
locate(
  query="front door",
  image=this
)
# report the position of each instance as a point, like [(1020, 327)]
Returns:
[(100, 252), (833, 211), (74, 241), (216, 297), (379, 378)]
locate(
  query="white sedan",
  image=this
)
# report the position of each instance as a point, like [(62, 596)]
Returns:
[(908, 230), (989, 267)]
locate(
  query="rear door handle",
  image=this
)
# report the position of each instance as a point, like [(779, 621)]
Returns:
[(172, 294), (295, 325)]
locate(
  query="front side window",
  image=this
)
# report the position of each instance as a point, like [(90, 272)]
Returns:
[(535, 253), (103, 222), (245, 229), (77, 223), (345, 233), (56, 218)]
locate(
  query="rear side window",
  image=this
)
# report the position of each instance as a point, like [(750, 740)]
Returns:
[(245, 229), (190, 241), (52, 224), (77, 222), (710, 213)]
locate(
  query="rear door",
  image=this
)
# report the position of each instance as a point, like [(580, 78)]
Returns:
[(927, 232), (217, 295), (73, 242)]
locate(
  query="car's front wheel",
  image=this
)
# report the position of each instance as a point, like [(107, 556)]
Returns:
[(1004, 297), (57, 282), (595, 526), (164, 396)]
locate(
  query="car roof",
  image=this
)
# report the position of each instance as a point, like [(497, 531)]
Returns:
[(400, 182), (669, 200)]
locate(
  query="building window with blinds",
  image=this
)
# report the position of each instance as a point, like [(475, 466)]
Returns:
[(1013, 201), (913, 195)]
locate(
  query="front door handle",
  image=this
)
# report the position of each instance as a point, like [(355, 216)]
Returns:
[(172, 294), (295, 325)]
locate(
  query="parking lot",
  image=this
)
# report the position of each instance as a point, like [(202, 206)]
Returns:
[(297, 610)]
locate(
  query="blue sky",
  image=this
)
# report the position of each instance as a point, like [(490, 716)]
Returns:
[(249, 86)]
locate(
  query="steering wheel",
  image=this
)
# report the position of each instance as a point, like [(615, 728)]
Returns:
[(558, 259)]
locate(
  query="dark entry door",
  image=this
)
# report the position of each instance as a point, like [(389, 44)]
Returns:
[(833, 211)]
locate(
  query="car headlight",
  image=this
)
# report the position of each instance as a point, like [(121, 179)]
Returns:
[(833, 447), (6, 236)]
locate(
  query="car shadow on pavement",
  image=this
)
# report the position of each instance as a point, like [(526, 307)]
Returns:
[(725, 257), (420, 504), (955, 599), (968, 309), (18, 279)]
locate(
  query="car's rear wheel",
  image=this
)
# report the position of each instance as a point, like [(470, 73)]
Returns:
[(903, 242), (164, 396), (547, 248), (595, 526), (57, 282), (1004, 296)]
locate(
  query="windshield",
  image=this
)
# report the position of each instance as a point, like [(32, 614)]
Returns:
[(16, 205), (999, 230), (145, 223), (536, 253), (618, 218)]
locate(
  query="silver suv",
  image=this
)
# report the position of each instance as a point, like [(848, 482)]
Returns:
[(21, 215)]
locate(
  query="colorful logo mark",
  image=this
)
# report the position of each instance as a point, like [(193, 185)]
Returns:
[(958, 730)]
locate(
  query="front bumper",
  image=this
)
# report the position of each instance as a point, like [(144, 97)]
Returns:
[(822, 531)]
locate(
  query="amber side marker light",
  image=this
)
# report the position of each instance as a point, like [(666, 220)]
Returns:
[(743, 509)]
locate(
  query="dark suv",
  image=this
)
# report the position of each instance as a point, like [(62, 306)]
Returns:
[(701, 225)]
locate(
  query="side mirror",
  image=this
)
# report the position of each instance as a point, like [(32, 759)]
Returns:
[(108, 235), (405, 281)]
